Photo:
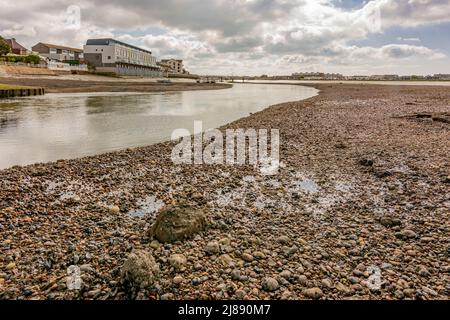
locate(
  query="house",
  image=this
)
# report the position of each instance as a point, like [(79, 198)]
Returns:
[(113, 56), (165, 68), (16, 48), (175, 65), (58, 53)]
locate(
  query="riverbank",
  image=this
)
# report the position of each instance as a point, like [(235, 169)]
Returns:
[(104, 84), (362, 188)]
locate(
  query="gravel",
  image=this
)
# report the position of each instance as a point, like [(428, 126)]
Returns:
[(375, 229)]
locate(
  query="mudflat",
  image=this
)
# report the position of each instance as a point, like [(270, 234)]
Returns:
[(55, 85)]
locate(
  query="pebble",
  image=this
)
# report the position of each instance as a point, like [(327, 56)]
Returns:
[(167, 296), (240, 294), (247, 257), (327, 283), (236, 274), (178, 280), (303, 280), (114, 209), (177, 261), (259, 255), (313, 293), (283, 239), (226, 260), (270, 284), (406, 234), (286, 274), (342, 288), (11, 266), (213, 247), (424, 272)]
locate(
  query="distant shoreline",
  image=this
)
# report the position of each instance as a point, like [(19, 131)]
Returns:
[(56, 85)]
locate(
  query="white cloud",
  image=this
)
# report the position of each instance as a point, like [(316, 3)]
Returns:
[(271, 35)]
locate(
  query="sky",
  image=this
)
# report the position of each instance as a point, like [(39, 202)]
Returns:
[(251, 37)]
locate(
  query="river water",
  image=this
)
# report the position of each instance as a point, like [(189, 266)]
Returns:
[(66, 126)]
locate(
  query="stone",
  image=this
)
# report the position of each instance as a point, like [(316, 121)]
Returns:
[(236, 274), (177, 261), (114, 209), (390, 222), (140, 270), (178, 280), (313, 293), (167, 296), (303, 280), (240, 294), (155, 244), (286, 295), (87, 268), (270, 284), (177, 223), (226, 260), (11, 266), (212, 247), (366, 162), (247, 257), (327, 283), (429, 291), (342, 288), (283, 239), (423, 271), (406, 234), (286, 274), (259, 255), (225, 242)]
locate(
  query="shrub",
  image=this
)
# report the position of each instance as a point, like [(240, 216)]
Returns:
[(4, 47), (32, 58)]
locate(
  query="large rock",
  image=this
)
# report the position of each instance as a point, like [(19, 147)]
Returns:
[(140, 270), (176, 223)]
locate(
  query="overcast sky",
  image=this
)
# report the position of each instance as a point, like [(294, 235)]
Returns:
[(252, 36)]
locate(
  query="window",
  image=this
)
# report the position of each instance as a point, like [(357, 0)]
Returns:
[(109, 57)]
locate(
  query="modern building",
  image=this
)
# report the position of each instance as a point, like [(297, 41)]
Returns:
[(57, 52), (175, 65), (113, 56), (16, 48)]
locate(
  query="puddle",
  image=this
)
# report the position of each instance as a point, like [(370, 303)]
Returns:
[(148, 206), (308, 185)]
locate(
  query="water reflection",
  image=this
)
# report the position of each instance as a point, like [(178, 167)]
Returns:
[(60, 126)]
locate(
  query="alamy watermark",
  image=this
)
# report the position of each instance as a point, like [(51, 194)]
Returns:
[(236, 147), (72, 17)]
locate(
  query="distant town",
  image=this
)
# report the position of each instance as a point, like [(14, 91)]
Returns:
[(113, 57)]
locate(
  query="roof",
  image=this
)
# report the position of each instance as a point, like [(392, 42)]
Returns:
[(15, 45), (55, 46), (167, 60), (108, 41)]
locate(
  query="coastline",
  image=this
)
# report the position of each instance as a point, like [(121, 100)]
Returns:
[(55, 215)]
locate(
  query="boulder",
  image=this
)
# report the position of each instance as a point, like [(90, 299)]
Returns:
[(176, 223), (140, 270)]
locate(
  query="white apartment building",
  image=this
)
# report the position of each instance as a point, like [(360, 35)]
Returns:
[(113, 56), (174, 65)]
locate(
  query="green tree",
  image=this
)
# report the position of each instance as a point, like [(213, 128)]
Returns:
[(4, 47)]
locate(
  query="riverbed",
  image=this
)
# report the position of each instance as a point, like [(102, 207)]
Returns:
[(72, 125)]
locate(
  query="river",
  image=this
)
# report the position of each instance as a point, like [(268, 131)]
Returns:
[(67, 126)]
